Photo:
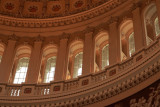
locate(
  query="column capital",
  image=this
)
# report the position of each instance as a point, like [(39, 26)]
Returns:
[(65, 36), (89, 30), (13, 37), (113, 20), (38, 39), (88, 34), (135, 6)]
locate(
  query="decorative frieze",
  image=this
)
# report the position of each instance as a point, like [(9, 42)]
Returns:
[(34, 10), (9, 7), (58, 8)]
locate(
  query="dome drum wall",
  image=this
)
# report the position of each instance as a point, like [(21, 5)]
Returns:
[(147, 75), (68, 24), (80, 74)]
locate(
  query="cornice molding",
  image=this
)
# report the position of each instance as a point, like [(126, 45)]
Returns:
[(61, 21), (69, 7)]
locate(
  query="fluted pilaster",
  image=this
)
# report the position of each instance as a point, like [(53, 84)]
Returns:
[(114, 42), (62, 57), (138, 29), (8, 60), (35, 62), (87, 52)]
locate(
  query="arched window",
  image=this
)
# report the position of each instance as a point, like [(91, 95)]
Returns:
[(131, 44), (105, 56), (20, 66), (101, 54), (78, 65), (50, 70), (21, 70), (48, 64), (127, 39), (151, 28), (75, 58), (157, 28)]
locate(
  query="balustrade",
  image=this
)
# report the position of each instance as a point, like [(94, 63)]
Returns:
[(42, 90), (13, 90), (71, 85)]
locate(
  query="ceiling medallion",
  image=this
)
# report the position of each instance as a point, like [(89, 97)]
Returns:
[(33, 8), (9, 6), (56, 8), (78, 4)]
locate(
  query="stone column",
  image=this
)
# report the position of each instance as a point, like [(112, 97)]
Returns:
[(34, 63), (7, 61), (114, 43), (138, 30), (158, 9), (87, 53), (93, 60), (62, 57)]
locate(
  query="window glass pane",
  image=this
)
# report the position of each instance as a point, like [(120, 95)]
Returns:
[(50, 70), (15, 80), (79, 71), (21, 71), (105, 56), (78, 65), (157, 28), (131, 44)]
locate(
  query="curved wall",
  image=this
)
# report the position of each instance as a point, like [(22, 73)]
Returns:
[(39, 39)]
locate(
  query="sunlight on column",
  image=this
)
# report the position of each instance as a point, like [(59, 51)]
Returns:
[(131, 44), (105, 56), (157, 28)]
